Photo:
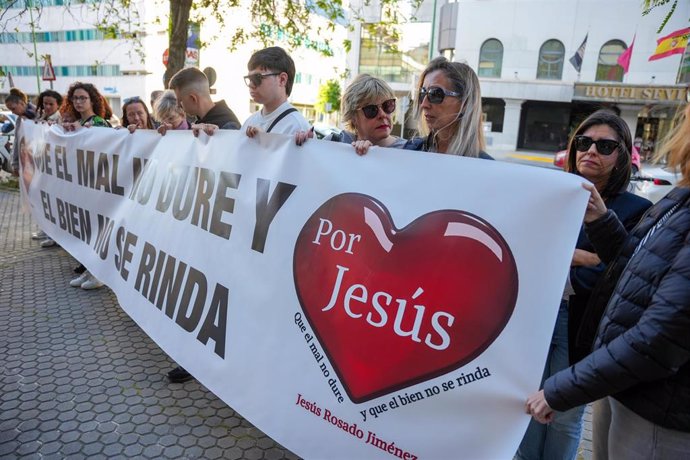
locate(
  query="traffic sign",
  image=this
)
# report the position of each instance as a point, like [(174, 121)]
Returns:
[(48, 72), (191, 57)]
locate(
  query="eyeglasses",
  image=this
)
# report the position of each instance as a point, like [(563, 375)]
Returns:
[(435, 94), (256, 78), (80, 98), (129, 100), (372, 110), (604, 146)]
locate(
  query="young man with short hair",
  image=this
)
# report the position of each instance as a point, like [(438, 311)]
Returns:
[(270, 79), (194, 96)]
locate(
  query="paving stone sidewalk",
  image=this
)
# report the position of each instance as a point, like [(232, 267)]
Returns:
[(79, 379)]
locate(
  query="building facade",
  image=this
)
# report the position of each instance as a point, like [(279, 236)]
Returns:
[(397, 53), (120, 68), (534, 96)]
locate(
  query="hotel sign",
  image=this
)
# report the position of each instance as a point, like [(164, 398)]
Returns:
[(632, 94)]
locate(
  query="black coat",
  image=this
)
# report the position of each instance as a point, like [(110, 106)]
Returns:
[(221, 116), (629, 209), (641, 355)]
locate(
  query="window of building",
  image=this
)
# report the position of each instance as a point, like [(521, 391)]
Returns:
[(53, 36), (34, 3), (608, 68), (494, 111), (387, 56), (67, 71), (544, 126), (551, 56), (491, 59)]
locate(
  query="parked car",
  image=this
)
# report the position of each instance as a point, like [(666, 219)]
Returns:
[(654, 182), (7, 124), (559, 159), (321, 131)]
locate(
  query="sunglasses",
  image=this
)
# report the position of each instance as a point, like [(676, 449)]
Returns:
[(256, 78), (435, 94), (604, 146), (372, 110)]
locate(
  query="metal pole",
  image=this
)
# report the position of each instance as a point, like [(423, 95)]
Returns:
[(433, 31), (33, 39), (682, 62)]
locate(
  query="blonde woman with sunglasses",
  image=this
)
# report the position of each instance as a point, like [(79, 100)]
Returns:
[(367, 105), (449, 107)]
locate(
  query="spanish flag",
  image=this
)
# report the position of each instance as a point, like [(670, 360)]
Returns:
[(673, 43)]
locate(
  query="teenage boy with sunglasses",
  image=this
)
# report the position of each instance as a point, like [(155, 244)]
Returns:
[(270, 79), (194, 96)]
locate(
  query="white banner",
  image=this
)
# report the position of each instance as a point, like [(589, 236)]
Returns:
[(399, 304)]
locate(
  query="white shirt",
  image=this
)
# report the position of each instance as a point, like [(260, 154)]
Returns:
[(289, 124)]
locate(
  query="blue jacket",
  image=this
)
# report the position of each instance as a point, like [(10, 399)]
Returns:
[(641, 355)]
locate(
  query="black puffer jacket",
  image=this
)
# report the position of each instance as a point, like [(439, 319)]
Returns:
[(642, 352)]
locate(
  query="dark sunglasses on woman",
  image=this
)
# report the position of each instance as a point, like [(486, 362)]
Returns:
[(372, 110), (604, 146), (435, 94), (257, 78)]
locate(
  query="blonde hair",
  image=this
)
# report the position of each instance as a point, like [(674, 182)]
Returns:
[(363, 90), (676, 147), (468, 139), (166, 104)]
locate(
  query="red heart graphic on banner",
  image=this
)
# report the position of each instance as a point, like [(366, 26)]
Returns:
[(395, 307)]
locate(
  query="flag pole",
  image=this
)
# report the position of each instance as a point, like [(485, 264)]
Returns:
[(682, 62)]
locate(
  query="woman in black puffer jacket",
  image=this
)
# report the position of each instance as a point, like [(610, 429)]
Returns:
[(640, 365)]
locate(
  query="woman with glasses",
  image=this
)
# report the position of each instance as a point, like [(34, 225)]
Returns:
[(135, 115), (86, 105), (601, 152), (449, 107), (367, 108), (639, 370)]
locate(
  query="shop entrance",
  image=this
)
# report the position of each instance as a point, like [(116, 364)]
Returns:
[(653, 124), (544, 126)]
